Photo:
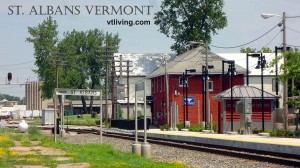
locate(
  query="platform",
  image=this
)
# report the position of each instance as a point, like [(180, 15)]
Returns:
[(254, 142)]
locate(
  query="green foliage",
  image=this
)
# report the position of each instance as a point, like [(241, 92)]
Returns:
[(214, 126), (186, 21), (256, 131), (248, 50), (120, 113), (253, 50), (106, 156), (281, 133), (86, 119), (289, 70), (164, 127), (196, 128), (180, 126), (297, 133), (44, 38), (81, 54), (25, 141), (10, 98)]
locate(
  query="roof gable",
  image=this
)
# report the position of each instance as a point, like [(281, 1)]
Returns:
[(241, 91), (194, 59)]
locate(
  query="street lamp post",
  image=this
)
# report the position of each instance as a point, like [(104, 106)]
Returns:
[(261, 64), (231, 72), (285, 84), (247, 65), (205, 94), (186, 95)]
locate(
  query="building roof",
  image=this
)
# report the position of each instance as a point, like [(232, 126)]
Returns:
[(194, 59), (241, 91), (240, 59)]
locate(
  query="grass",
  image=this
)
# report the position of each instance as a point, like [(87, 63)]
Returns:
[(84, 119), (95, 154)]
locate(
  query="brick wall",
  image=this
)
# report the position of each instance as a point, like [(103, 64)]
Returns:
[(194, 89)]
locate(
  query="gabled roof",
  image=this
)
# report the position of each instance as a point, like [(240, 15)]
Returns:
[(194, 59), (241, 91)]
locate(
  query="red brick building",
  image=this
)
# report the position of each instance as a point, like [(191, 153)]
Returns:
[(192, 59)]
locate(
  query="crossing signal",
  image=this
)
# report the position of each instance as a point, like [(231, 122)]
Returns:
[(9, 76)]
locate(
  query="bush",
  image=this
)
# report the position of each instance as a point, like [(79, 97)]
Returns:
[(180, 126), (214, 126), (256, 131), (196, 128), (297, 133), (164, 127)]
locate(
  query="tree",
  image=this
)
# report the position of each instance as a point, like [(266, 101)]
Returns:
[(194, 20), (289, 70), (248, 50), (45, 38), (86, 59), (253, 50), (80, 54), (265, 50)]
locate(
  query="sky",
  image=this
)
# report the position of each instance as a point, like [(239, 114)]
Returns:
[(245, 24)]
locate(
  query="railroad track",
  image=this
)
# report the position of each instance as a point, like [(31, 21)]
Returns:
[(262, 156)]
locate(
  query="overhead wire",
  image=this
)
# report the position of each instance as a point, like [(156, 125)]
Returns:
[(247, 42), (293, 29), (16, 64)]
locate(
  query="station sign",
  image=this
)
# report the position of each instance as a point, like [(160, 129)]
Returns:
[(189, 101), (77, 92)]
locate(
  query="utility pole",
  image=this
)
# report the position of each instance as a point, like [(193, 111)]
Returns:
[(57, 63), (127, 76), (113, 72), (128, 86), (285, 86), (207, 88), (167, 91)]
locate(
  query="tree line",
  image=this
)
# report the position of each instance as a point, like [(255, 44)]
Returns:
[(80, 57)]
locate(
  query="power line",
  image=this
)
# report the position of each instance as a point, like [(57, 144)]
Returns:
[(16, 68), (247, 42), (293, 30), (16, 64)]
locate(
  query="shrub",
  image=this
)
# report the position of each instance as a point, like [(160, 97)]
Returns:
[(297, 133), (214, 126), (180, 126), (256, 131), (196, 128), (289, 133), (281, 133), (164, 127), (120, 113)]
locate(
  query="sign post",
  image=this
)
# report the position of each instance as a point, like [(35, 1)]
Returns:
[(75, 92)]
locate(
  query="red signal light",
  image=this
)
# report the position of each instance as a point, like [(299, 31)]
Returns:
[(9, 76)]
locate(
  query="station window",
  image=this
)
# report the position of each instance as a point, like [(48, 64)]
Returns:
[(210, 86), (274, 85)]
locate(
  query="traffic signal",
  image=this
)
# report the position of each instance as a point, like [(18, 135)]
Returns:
[(9, 76)]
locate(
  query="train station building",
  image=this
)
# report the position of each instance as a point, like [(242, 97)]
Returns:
[(188, 103)]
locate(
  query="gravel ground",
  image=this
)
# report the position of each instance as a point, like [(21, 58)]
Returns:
[(167, 154)]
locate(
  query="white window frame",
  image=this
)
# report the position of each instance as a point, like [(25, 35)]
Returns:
[(210, 83)]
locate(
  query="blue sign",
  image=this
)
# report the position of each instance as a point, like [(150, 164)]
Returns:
[(189, 101)]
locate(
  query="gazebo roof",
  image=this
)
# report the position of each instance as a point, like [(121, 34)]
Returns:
[(241, 91)]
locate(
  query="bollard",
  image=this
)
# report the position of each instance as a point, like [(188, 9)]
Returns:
[(146, 150), (136, 148)]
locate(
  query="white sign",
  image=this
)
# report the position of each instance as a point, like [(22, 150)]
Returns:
[(78, 92)]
